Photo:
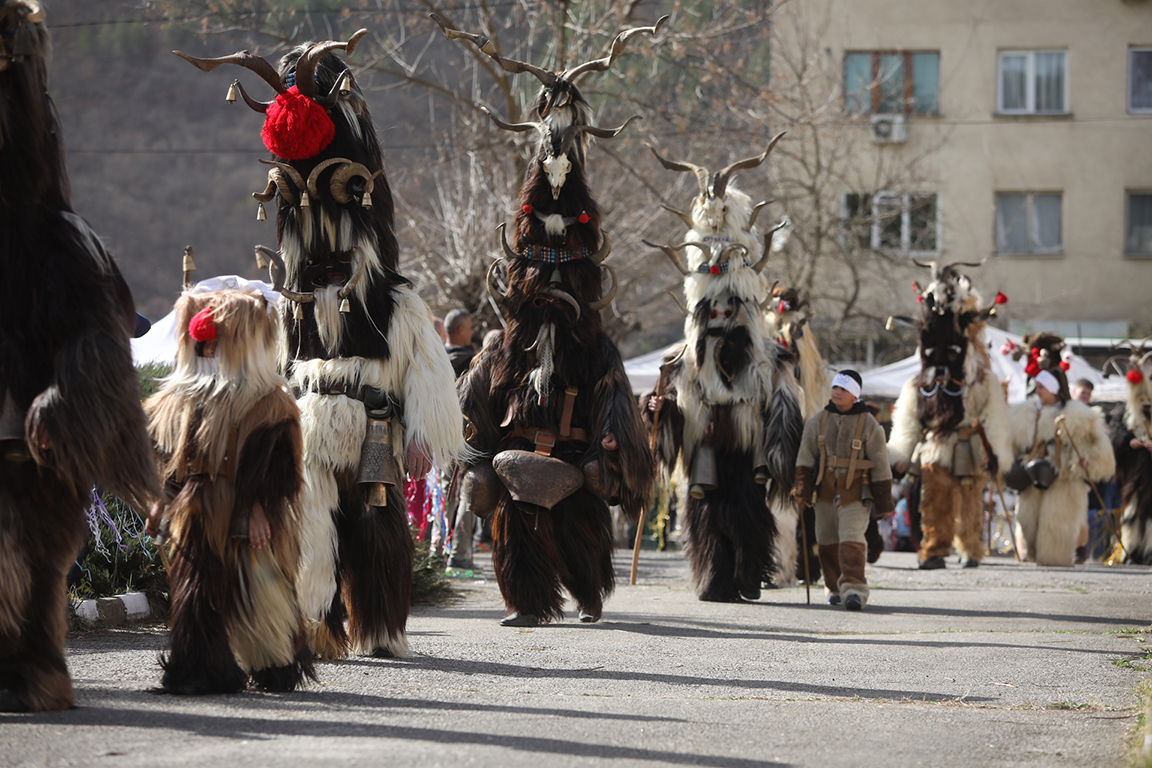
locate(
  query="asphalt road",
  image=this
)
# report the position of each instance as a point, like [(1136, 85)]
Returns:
[(1006, 665)]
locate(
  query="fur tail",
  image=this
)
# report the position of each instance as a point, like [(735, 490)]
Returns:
[(783, 427)]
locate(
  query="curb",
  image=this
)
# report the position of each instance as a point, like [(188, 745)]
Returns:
[(113, 611)]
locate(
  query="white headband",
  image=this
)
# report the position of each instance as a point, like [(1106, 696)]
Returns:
[(844, 381), (1048, 381)]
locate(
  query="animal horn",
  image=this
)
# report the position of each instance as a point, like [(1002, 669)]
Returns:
[(720, 180), (32, 11), (1112, 361), (519, 127), (684, 167), (508, 252), (350, 286), (604, 302), (932, 266), (618, 45), (726, 254), (277, 181), (277, 271), (605, 249), (673, 254), (292, 173), (489, 48), (490, 281), (567, 297), (306, 64), (604, 133), (248, 61), (315, 175), (679, 303), (756, 212), (342, 175), (759, 266), (683, 216)]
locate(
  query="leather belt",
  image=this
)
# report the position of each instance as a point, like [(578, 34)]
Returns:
[(346, 388), (545, 439)]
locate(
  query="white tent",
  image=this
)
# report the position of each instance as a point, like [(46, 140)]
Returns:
[(888, 380), (643, 371), (159, 344)]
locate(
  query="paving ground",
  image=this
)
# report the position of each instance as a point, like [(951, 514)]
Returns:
[(1007, 665)]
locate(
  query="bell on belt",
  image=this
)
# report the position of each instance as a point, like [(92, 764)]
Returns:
[(702, 477), (480, 489), (377, 464), (540, 481), (12, 445)]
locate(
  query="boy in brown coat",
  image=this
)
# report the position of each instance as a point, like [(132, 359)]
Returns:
[(842, 469)]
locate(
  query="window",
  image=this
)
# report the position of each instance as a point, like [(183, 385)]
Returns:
[(904, 222), (891, 82), (1028, 222), (1140, 79), (1032, 82), (1138, 241)]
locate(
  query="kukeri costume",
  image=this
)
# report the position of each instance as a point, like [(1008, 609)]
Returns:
[(1048, 444), (227, 434), (550, 407), (1131, 434), (731, 413), (374, 385), (842, 470), (950, 422), (70, 413)]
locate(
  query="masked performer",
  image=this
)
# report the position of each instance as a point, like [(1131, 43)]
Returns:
[(949, 423), (70, 411), (1131, 433), (731, 411), (1058, 443), (227, 433), (550, 406), (373, 381)]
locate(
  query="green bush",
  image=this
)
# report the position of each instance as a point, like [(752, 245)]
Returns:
[(120, 559)]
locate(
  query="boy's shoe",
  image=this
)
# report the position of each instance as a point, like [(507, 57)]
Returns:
[(853, 603), (750, 595), (833, 599), (932, 564)]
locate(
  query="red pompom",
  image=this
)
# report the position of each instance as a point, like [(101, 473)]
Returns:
[(1001, 298), (202, 327), (1032, 370), (296, 127), (714, 269), (585, 218), (526, 209), (1134, 376), (920, 299), (1065, 365), (1034, 354)]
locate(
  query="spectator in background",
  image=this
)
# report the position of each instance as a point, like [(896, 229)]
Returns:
[(1082, 391), (458, 324), (441, 331)]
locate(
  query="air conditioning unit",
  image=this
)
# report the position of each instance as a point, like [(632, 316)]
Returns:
[(889, 129)]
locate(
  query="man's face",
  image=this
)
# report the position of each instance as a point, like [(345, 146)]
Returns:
[(466, 330)]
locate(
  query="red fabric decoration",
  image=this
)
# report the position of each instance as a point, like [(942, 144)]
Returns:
[(527, 209), (1001, 298), (1007, 347), (920, 299), (1034, 354), (1134, 376), (202, 327), (295, 127), (714, 269), (1065, 365), (1032, 369), (585, 218)]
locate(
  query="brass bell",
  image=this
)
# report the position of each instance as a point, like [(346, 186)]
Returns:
[(345, 306), (231, 97), (304, 201), (260, 214), (261, 259), (299, 313), (367, 201), (345, 85)]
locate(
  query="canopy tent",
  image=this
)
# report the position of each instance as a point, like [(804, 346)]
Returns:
[(159, 344)]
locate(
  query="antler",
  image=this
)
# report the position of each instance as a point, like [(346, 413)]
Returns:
[(618, 46), (720, 179), (488, 47)]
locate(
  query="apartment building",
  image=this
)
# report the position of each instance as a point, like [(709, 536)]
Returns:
[(1030, 124)]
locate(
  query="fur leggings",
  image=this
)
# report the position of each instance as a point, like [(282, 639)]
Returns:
[(952, 513)]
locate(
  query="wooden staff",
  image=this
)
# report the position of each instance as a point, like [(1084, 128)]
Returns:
[(807, 553), (999, 489), (1062, 430), (653, 439)]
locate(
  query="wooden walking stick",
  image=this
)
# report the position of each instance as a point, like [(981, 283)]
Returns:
[(653, 439), (999, 489), (807, 554), (1061, 429)]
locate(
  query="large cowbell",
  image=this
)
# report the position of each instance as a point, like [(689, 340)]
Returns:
[(535, 480), (377, 471)]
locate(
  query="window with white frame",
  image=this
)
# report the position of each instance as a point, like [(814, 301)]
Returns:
[(1032, 82), (1138, 237), (903, 222), (1140, 79), (1029, 223), (900, 82)]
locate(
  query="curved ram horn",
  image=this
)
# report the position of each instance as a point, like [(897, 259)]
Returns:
[(269, 191), (333, 96), (277, 181), (726, 254), (254, 105), (683, 216), (277, 271), (32, 11), (292, 173), (508, 252), (489, 49), (490, 281), (563, 296), (618, 45), (518, 127), (604, 302), (684, 167), (605, 249), (306, 64), (673, 255), (350, 286), (342, 175), (241, 59), (315, 175), (720, 179), (756, 212)]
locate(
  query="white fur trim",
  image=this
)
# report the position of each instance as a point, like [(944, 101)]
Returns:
[(906, 427), (316, 580), (786, 516)]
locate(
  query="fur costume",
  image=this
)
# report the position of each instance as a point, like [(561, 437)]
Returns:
[(373, 382), (1049, 521), (1131, 433), (934, 417), (731, 414), (227, 433), (70, 413), (551, 396)]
